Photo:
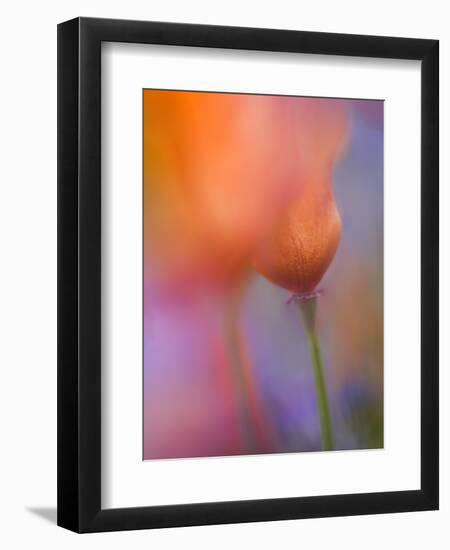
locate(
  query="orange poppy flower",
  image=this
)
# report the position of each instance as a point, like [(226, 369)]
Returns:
[(218, 169)]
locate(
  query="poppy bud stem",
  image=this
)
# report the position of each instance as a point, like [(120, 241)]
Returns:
[(307, 309)]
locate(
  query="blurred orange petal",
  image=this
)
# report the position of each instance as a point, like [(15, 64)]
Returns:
[(218, 168)]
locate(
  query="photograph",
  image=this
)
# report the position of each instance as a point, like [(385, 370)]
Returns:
[(262, 274)]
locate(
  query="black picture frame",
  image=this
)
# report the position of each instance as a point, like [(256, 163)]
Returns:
[(79, 274)]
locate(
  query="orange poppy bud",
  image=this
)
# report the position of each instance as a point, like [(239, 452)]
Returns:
[(303, 241)]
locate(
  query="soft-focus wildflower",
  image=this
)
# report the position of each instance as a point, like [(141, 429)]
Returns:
[(304, 240), (218, 168)]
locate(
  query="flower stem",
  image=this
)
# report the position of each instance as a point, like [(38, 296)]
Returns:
[(248, 435), (308, 312)]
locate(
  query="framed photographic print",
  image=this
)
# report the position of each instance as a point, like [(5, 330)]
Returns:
[(248, 274)]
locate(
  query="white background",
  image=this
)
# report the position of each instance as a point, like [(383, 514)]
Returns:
[(129, 481), (28, 274)]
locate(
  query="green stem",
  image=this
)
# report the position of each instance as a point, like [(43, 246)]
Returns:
[(308, 311)]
